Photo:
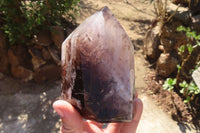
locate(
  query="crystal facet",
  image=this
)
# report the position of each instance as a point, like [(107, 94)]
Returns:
[(98, 69)]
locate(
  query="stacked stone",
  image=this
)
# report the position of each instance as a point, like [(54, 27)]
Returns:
[(37, 60)]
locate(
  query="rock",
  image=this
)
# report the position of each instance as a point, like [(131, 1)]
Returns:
[(180, 2), (18, 55), (161, 47), (13, 59), (166, 65), (4, 63), (196, 22), (68, 31), (58, 36), (37, 59), (43, 38), (196, 77), (151, 42), (170, 39), (37, 62), (47, 72), (98, 69), (1, 76), (194, 6), (22, 73), (182, 14), (55, 54), (196, 19), (46, 55)]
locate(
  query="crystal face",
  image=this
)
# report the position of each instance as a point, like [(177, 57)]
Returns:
[(98, 69)]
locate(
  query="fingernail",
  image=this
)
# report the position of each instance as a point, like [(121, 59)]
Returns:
[(60, 112)]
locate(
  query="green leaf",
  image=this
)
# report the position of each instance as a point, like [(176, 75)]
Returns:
[(181, 49), (165, 86), (182, 90), (7, 32), (187, 100), (169, 84), (181, 28), (190, 48), (191, 34), (184, 84), (179, 67), (198, 43), (174, 82), (197, 37)]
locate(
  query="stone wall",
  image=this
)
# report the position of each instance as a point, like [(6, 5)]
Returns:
[(38, 59), (162, 41)]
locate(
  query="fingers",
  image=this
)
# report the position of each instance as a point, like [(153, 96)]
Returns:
[(92, 127), (100, 125), (114, 128), (131, 127), (71, 120)]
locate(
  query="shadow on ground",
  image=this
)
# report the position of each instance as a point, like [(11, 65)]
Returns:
[(30, 109)]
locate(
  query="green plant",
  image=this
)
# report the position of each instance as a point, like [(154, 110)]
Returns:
[(21, 19), (169, 84), (186, 52), (189, 90)]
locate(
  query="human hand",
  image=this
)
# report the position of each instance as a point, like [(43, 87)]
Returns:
[(72, 121)]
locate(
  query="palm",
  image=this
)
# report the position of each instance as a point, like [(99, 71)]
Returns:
[(72, 122)]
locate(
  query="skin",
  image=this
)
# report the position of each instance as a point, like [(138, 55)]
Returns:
[(72, 121)]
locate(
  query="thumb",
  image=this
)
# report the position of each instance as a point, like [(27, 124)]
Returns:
[(72, 121)]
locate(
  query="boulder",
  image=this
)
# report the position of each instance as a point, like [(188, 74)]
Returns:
[(55, 54), (19, 55), (37, 59), (4, 63), (166, 65), (196, 77), (196, 22), (1, 76), (68, 31), (21, 73), (47, 72), (58, 36), (46, 55), (151, 42), (181, 14), (13, 59), (43, 38)]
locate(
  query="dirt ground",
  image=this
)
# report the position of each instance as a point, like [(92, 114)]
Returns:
[(26, 108)]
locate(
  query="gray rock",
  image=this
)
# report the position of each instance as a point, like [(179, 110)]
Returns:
[(196, 77)]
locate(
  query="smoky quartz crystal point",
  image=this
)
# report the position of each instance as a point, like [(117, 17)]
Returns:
[(98, 69)]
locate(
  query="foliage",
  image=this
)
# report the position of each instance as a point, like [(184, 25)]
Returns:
[(189, 90), (21, 19), (169, 84)]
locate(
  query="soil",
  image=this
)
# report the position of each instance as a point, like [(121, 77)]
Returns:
[(170, 101)]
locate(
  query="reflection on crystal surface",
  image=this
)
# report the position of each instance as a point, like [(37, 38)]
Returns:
[(98, 69)]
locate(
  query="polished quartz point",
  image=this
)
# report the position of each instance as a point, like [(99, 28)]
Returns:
[(98, 69)]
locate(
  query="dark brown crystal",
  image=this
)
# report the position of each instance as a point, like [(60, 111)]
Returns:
[(98, 69)]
